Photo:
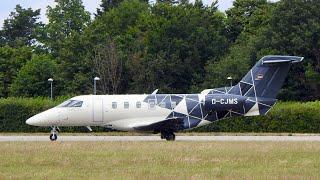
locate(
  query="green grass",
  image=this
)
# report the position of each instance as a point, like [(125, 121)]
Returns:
[(159, 160)]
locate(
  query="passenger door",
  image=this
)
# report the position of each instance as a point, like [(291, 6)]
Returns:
[(97, 110)]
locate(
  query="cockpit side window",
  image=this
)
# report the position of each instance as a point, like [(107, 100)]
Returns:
[(71, 103), (76, 104)]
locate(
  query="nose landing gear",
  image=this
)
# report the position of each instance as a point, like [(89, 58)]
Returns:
[(54, 133)]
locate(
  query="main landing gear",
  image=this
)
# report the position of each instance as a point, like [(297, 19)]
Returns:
[(169, 136), (54, 133)]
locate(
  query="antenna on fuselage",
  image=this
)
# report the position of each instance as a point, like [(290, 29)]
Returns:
[(155, 92)]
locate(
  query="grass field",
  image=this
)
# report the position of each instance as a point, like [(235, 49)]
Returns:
[(160, 160)]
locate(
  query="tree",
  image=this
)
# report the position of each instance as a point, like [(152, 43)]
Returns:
[(20, 28), (178, 44), (236, 64), (32, 79), (164, 48), (11, 60), (67, 22), (238, 17), (244, 52), (106, 5), (67, 17), (295, 30), (168, 1), (124, 26), (75, 70), (108, 66)]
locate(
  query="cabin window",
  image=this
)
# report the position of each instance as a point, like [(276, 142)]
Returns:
[(162, 104), (152, 104), (138, 104), (114, 105), (126, 105), (71, 103), (173, 104)]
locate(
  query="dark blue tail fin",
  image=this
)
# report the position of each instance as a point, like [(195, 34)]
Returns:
[(266, 78), (261, 84)]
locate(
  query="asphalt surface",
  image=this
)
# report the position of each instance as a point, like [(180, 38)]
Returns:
[(157, 138)]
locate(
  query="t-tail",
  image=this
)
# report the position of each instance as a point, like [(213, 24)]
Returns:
[(263, 82), (261, 85)]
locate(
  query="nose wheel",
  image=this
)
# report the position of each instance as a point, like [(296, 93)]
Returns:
[(54, 134), (53, 137)]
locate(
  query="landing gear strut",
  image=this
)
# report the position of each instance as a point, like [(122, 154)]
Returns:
[(169, 136), (54, 133)]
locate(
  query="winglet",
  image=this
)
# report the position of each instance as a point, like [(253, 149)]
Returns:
[(155, 92)]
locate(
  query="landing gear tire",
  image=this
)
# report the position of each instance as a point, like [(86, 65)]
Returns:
[(169, 136), (53, 137), (54, 133)]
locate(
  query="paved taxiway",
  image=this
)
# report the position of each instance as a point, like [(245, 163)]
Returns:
[(157, 138)]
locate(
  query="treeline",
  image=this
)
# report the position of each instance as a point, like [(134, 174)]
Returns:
[(136, 47), (291, 117)]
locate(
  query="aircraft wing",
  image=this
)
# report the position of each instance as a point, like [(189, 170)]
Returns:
[(172, 124)]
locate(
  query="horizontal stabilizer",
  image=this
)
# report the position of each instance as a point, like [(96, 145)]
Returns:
[(280, 59)]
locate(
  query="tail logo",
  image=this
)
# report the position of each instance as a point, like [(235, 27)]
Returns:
[(259, 77)]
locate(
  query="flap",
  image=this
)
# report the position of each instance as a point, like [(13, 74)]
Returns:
[(173, 124)]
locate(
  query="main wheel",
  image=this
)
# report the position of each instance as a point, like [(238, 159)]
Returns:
[(170, 137), (53, 137)]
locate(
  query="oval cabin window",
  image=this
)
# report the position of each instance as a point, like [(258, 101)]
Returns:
[(138, 104), (114, 105), (126, 105)]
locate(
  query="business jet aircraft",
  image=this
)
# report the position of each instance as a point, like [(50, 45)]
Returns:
[(168, 113)]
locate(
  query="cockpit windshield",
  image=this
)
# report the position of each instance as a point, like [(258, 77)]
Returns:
[(71, 103)]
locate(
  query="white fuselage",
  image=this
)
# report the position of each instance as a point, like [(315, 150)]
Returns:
[(121, 112), (147, 112)]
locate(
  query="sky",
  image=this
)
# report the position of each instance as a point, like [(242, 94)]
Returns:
[(8, 6)]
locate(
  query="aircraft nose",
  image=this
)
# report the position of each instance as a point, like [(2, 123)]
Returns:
[(46, 118), (34, 121)]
